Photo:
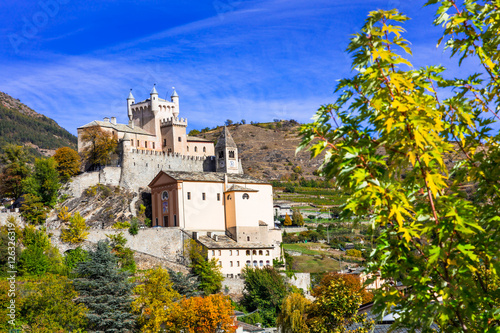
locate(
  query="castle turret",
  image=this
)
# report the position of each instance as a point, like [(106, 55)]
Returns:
[(130, 101), (226, 153), (154, 100), (175, 99)]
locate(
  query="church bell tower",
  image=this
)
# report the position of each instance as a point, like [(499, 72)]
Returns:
[(226, 153)]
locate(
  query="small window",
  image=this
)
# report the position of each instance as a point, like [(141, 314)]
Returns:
[(153, 145), (254, 252), (248, 262), (237, 264), (248, 238), (221, 154), (132, 142), (248, 252), (175, 220), (203, 196), (189, 195), (220, 263), (230, 252), (267, 252), (156, 221), (218, 196), (195, 149), (231, 154), (237, 252), (213, 252), (261, 263), (204, 149), (179, 139), (145, 144), (169, 150), (245, 196), (231, 264), (220, 252), (187, 148), (229, 197), (164, 142), (267, 263), (260, 252), (255, 263)]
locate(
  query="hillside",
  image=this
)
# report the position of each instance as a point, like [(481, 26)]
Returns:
[(19, 124), (267, 150)]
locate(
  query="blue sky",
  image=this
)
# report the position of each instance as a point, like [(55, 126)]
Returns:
[(75, 61)]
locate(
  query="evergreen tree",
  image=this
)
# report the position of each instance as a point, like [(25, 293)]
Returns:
[(297, 218), (105, 291), (185, 284)]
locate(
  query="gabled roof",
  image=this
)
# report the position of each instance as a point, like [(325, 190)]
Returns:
[(225, 242), (118, 127), (195, 138), (238, 188), (216, 177), (225, 139)]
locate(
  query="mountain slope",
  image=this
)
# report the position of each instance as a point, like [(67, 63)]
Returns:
[(267, 150), (21, 125)]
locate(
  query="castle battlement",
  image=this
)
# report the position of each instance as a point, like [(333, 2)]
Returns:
[(174, 121), (169, 155)]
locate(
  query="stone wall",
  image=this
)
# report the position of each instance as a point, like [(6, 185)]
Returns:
[(300, 280), (162, 243), (5, 215), (233, 287), (139, 167), (106, 176)]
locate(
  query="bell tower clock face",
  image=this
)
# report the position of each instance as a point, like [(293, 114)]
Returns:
[(232, 164)]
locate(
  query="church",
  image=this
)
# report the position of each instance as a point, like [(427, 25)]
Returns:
[(196, 187)]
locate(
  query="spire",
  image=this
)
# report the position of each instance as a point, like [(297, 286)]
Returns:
[(225, 139), (153, 91), (130, 96), (174, 93)]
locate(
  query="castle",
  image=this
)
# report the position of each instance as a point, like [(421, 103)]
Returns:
[(196, 187)]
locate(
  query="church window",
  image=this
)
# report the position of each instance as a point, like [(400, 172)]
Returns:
[(221, 154), (218, 196), (248, 252), (203, 196), (260, 252), (204, 149), (229, 197), (164, 142), (189, 195), (179, 139), (267, 252), (164, 195), (231, 154), (195, 149), (246, 196)]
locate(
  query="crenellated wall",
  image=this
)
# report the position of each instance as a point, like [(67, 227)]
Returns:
[(139, 167)]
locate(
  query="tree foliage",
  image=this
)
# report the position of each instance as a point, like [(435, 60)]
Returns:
[(48, 306), (186, 285), (293, 315), (44, 181), (288, 220), (408, 154), (203, 314), (350, 281), (99, 145), (68, 162), (207, 271), (155, 301), (39, 255), (297, 218), (33, 209), (77, 230), (105, 291), (264, 289), (16, 168), (125, 255)]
